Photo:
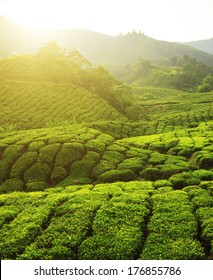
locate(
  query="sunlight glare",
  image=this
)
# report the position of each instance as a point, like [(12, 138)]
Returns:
[(45, 14), (178, 20)]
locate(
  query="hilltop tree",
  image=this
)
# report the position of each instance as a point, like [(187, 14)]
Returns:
[(58, 64), (138, 70), (143, 67), (61, 65), (52, 51)]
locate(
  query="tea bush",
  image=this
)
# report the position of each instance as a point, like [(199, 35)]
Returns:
[(114, 175)]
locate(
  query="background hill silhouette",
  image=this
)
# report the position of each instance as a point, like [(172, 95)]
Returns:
[(96, 47)]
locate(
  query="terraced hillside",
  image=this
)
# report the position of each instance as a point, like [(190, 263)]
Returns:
[(36, 159), (41, 104), (175, 107), (80, 180)]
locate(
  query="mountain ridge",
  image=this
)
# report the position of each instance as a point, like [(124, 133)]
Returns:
[(96, 47), (203, 45)]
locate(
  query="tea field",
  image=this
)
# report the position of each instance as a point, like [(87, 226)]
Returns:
[(31, 160), (46, 104), (132, 220), (80, 179)]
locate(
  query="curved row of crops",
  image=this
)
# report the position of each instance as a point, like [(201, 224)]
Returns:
[(35, 159)]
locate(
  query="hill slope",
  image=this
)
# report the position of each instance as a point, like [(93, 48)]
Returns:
[(44, 104), (203, 45), (59, 87)]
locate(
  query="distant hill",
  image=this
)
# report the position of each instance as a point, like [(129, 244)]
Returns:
[(203, 45), (96, 47)]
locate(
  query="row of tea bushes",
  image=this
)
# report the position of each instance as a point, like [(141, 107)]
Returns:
[(119, 225), (70, 225), (133, 220), (172, 228), (202, 200), (35, 159), (25, 226), (183, 142)]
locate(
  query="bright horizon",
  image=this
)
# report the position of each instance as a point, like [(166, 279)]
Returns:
[(170, 20)]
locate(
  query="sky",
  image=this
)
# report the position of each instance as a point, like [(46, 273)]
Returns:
[(170, 20)]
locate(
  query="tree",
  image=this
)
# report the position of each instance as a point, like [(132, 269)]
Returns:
[(191, 74), (207, 84), (142, 68), (61, 65)]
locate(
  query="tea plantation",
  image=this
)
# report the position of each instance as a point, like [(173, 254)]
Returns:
[(80, 179), (46, 104), (132, 220)]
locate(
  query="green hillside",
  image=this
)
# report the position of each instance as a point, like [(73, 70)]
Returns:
[(169, 106), (91, 168), (57, 86), (184, 73), (46, 104)]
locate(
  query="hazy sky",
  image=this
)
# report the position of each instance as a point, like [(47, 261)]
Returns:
[(171, 20)]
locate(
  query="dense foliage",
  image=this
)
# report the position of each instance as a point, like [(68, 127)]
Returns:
[(184, 73)]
